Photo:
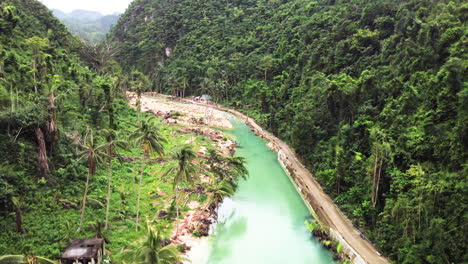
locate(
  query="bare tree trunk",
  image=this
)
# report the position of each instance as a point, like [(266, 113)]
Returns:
[(374, 176), (376, 198), (83, 204), (177, 212), (52, 129), (19, 220), (12, 99), (135, 172), (109, 179), (139, 192), (42, 157), (34, 76)]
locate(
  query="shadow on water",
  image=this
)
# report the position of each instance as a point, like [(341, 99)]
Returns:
[(222, 250)]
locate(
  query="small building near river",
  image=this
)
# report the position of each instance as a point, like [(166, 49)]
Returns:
[(84, 251), (206, 99)]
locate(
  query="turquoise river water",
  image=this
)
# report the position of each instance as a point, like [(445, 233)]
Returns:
[(263, 223)]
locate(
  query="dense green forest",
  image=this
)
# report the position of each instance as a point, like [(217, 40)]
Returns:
[(372, 95), (90, 26), (77, 161)]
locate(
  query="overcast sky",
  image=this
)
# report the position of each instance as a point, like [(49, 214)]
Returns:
[(104, 6)]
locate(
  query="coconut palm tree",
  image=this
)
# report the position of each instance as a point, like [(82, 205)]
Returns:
[(21, 259), (182, 170), (152, 251), (148, 137), (237, 168), (219, 191), (112, 146), (230, 168), (95, 155)]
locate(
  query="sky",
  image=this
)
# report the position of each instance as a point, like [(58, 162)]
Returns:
[(104, 6)]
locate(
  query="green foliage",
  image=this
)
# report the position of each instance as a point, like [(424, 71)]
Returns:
[(372, 96), (339, 247), (312, 225), (7, 259), (50, 104), (151, 251), (90, 26)]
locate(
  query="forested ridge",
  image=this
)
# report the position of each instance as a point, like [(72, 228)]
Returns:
[(371, 94), (76, 161), (90, 26)]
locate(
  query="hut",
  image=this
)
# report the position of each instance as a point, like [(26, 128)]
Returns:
[(206, 99), (84, 251)]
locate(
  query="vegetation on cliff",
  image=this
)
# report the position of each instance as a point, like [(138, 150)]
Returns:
[(372, 95), (92, 27), (68, 166)]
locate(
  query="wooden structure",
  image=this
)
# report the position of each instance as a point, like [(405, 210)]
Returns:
[(84, 251)]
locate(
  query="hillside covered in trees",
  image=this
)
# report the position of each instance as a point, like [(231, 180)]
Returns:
[(90, 26), (77, 161), (372, 95)]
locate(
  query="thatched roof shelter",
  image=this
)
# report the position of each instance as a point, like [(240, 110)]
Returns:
[(84, 251)]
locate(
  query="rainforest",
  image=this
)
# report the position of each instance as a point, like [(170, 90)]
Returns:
[(143, 140)]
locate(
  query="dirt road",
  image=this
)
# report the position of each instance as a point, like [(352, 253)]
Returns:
[(358, 249)]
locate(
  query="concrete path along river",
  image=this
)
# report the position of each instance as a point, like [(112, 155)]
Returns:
[(263, 223)]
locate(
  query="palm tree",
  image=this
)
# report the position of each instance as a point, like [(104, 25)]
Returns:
[(95, 155), (135, 173), (148, 137), (237, 168), (230, 168), (112, 144), (98, 232), (226, 172), (69, 232), (182, 171), (21, 259), (153, 252), (220, 190)]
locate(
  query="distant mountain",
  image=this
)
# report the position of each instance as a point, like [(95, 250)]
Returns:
[(91, 26), (59, 14), (85, 15)]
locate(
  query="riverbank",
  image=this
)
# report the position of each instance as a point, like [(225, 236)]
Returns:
[(357, 249), (203, 121)]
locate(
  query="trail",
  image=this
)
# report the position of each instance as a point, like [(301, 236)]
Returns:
[(359, 249)]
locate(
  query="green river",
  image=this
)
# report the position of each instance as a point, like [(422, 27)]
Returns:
[(264, 221)]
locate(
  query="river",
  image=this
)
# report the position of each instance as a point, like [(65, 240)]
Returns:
[(263, 223)]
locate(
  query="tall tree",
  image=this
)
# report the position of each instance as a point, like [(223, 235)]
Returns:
[(112, 145), (94, 155), (52, 131), (42, 151), (219, 191), (152, 251), (106, 85), (182, 171), (148, 138), (18, 203), (226, 168), (37, 46), (381, 153)]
